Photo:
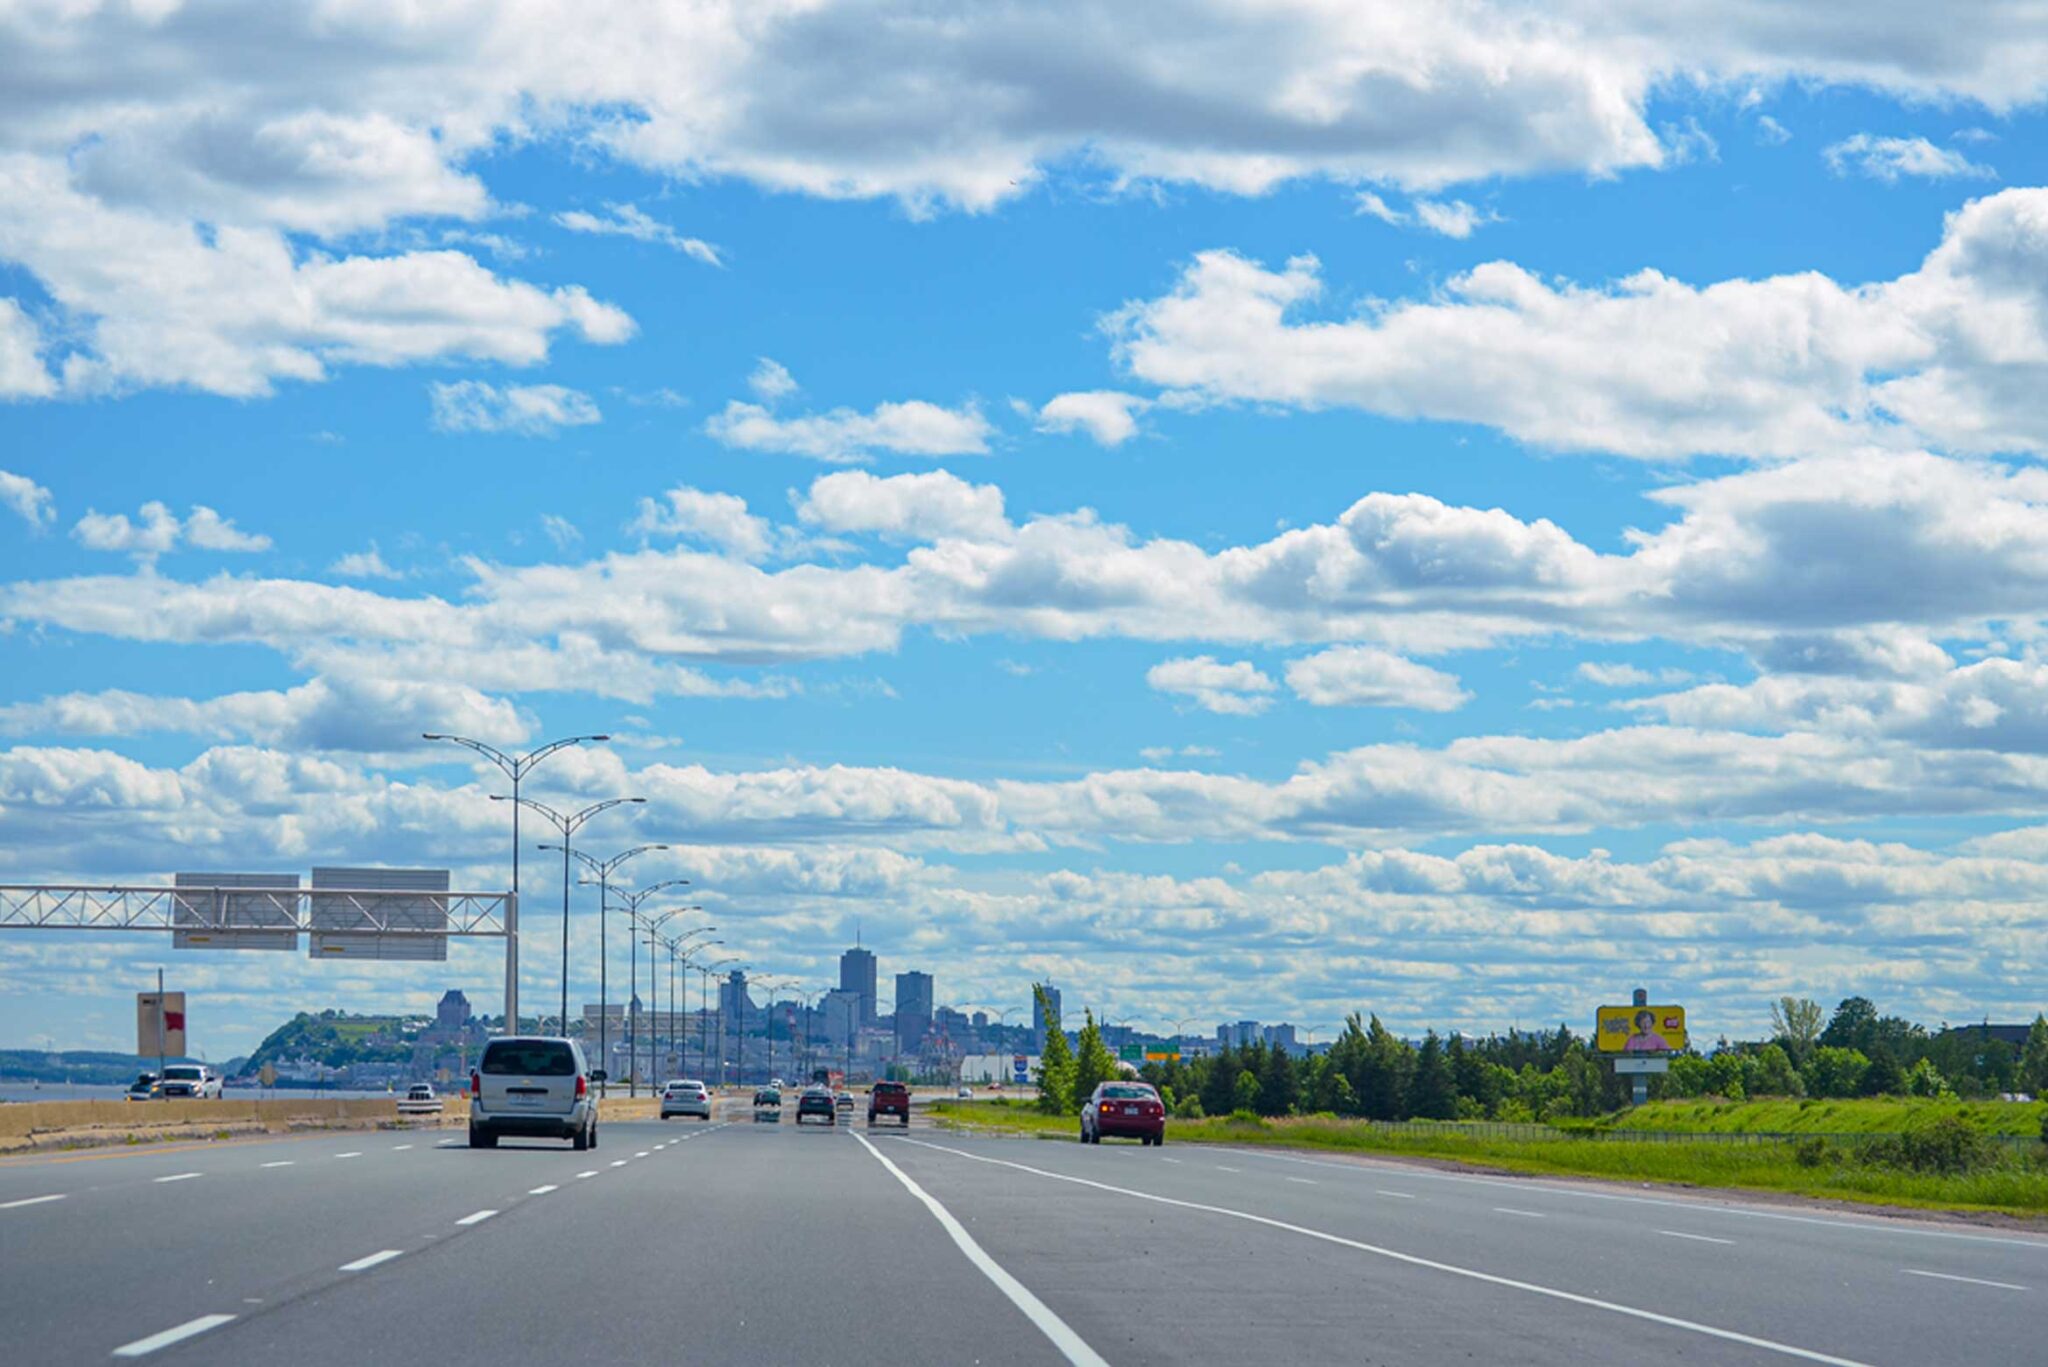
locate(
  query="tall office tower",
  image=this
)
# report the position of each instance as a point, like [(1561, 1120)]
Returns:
[(913, 1010), (734, 1004), (857, 974), (1038, 1016)]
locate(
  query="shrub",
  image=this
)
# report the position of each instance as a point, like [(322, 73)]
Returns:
[(1810, 1152), (1244, 1116), (1947, 1146), (2044, 1124), (1188, 1107)]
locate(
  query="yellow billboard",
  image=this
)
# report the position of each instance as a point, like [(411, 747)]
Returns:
[(1639, 1029)]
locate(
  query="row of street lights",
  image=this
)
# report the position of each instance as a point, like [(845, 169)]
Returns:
[(567, 824)]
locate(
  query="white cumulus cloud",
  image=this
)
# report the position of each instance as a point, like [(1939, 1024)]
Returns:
[(720, 520), (28, 500), (913, 428), (1106, 415), (1236, 688), (1361, 676), (1889, 159), (525, 410), (628, 220)]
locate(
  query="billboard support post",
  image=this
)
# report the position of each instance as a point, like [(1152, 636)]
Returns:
[(1640, 1039), (512, 961), (162, 1095)]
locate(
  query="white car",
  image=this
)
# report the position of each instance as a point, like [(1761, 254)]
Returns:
[(965, 1094), (534, 1086), (192, 1080), (686, 1096)]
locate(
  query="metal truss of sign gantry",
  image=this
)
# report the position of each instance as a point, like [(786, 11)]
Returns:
[(336, 916)]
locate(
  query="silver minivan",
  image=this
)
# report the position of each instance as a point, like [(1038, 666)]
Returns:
[(533, 1085)]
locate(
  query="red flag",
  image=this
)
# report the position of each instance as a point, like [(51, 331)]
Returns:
[(174, 1020)]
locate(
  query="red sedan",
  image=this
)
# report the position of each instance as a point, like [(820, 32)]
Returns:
[(1130, 1109)]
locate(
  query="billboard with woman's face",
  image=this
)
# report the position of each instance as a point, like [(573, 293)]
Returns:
[(1639, 1029)]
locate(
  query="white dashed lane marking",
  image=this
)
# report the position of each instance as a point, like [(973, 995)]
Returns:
[(591, 1173), (176, 1334), (1397, 1195), (372, 1260), (542, 1191), (1974, 1281), (352, 1153), (178, 1177), (1696, 1238), (1525, 1214), (30, 1201), (280, 1163), (476, 1218)]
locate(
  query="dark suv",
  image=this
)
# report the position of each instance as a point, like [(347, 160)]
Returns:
[(815, 1103), (889, 1098)]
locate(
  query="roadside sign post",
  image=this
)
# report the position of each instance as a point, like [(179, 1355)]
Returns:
[(1640, 1038)]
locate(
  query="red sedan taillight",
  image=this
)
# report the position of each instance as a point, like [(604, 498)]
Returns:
[(476, 1083)]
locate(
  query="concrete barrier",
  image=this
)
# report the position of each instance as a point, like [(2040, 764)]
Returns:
[(26, 1120)]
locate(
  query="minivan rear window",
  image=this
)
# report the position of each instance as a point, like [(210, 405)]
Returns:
[(535, 1058)]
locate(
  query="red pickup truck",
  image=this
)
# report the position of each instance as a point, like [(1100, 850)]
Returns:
[(889, 1098)]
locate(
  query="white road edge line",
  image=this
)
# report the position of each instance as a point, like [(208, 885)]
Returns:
[(476, 1217), (1696, 1238), (1414, 1260), (176, 1334), (359, 1264), (29, 1201), (1874, 1225), (1974, 1281), (1070, 1344), (542, 1191), (178, 1177)]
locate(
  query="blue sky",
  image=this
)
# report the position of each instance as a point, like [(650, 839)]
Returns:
[(1260, 512)]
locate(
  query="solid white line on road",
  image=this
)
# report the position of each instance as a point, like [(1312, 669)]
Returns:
[(1414, 1260), (400, 1148), (1397, 1195), (352, 1153), (29, 1201), (1696, 1238), (1530, 1214), (476, 1217), (1974, 1281), (591, 1173), (1305, 1181), (280, 1163), (359, 1264), (1070, 1344), (1523, 1185), (618, 1162), (178, 1334), (178, 1177), (542, 1191)]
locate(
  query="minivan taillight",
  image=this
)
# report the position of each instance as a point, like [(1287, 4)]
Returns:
[(582, 1086), (476, 1083)]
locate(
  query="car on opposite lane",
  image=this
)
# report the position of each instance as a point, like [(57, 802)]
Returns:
[(536, 1086), (816, 1102), (686, 1096), (146, 1087), (1128, 1109), (889, 1098), (844, 1101), (192, 1081)]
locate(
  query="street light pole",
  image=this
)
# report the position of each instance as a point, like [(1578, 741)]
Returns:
[(603, 868), (633, 901), (516, 770), (655, 923), (568, 825)]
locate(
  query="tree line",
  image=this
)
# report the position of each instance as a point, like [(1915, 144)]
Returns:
[(1551, 1075)]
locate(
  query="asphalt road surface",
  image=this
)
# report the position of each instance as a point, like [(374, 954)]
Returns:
[(692, 1243)]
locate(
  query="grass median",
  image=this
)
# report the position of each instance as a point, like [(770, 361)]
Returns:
[(2011, 1180)]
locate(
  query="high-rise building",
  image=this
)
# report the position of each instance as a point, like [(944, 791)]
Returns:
[(1039, 1018), (913, 1010), (453, 1012), (842, 1017), (734, 1004), (857, 974)]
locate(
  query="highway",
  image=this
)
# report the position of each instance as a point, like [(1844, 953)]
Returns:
[(732, 1242)]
